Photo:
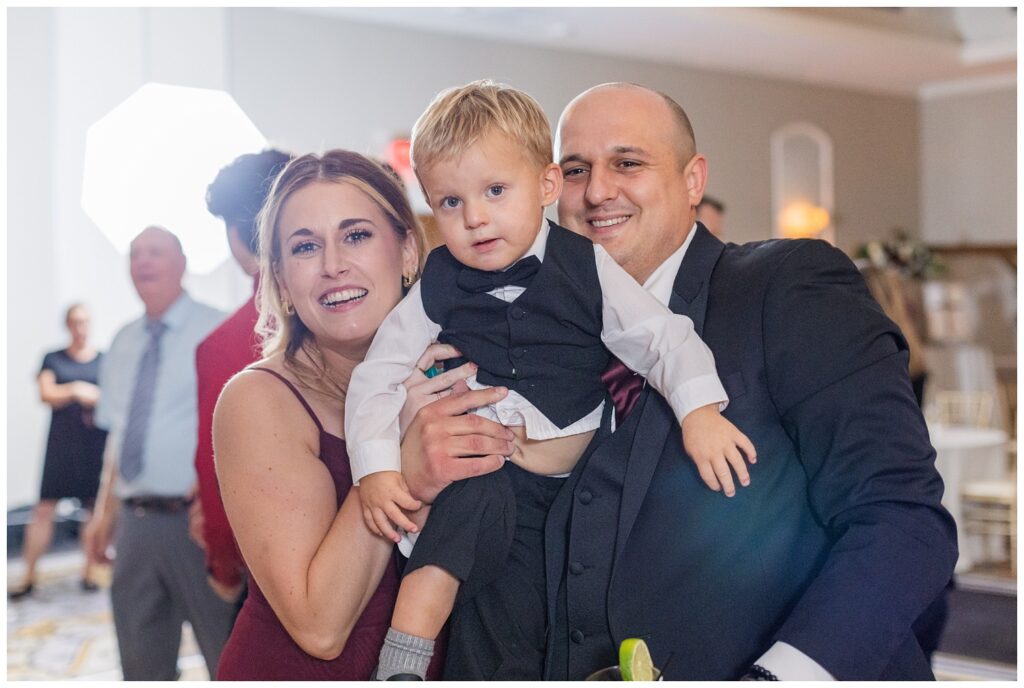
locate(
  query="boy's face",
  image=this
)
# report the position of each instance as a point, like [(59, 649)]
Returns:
[(489, 202)]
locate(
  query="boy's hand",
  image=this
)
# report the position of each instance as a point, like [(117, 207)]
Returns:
[(715, 444), (384, 495)]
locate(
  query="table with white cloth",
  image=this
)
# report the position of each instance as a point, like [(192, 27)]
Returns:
[(962, 455)]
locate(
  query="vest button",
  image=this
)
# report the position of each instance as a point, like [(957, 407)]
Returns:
[(577, 636), (519, 352), (585, 497), (517, 312), (576, 568)]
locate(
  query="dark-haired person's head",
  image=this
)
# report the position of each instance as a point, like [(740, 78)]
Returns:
[(236, 196), (711, 213)]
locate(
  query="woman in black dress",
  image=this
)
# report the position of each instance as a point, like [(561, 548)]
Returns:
[(74, 450)]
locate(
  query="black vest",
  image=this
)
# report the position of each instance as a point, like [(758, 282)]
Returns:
[(546, 345)]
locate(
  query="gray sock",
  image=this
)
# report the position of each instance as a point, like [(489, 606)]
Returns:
[(404, 654)]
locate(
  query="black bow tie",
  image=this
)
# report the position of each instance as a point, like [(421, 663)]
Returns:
[(482, 281)]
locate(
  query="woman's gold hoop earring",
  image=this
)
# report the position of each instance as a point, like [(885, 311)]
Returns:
[(287, 307), (408, 280)]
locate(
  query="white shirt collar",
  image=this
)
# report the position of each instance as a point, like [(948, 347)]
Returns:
[(659, 284)]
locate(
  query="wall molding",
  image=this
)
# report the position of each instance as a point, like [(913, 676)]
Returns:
[(976, 84)]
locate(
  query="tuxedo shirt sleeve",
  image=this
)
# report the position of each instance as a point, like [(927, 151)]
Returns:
[(655, 342), (837, 373), (376, 393)]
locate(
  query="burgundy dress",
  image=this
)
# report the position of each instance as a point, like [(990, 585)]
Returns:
[(260, 648)]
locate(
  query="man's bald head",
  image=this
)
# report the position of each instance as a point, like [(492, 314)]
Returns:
[(164, 234), (685, 141), (157, 264), (632, 174)]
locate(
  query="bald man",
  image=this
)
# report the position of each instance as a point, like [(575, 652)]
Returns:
[(819, 567), (148, 403)]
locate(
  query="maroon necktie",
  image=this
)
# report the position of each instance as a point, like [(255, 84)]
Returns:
[(624, 385)]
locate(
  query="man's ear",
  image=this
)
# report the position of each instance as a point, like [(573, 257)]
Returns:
[(696, 174), (550, 184)]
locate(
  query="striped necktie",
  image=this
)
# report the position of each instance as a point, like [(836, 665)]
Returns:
[(142, 403)]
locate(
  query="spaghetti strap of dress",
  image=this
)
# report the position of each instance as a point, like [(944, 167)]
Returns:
[(298, 395)]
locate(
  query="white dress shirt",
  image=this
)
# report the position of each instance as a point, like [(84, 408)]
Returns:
[(638, 329), (169, 449)]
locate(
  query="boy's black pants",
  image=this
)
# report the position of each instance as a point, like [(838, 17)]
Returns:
[(488, 532)]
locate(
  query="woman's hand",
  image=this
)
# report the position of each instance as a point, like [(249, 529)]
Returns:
[(421, 390), (444, 444), (85, 393)]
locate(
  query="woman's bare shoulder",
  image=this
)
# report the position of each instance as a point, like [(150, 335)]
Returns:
[(255, 400)]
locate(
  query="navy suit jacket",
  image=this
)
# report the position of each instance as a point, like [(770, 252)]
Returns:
[(838, 544)]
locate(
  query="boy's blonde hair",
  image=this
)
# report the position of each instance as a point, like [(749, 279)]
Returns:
[(459, 117)]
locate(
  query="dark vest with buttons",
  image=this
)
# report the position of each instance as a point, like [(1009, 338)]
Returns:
[(546, 345)]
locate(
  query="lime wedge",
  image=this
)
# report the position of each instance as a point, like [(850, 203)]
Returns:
[(635, 660)]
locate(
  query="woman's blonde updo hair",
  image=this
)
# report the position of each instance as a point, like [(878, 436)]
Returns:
[(283, 332)]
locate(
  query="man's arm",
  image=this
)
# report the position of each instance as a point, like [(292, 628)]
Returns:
[(208, 523), (100, 530), (837, 372)]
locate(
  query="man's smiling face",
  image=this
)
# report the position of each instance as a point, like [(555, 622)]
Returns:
[(627, 184)]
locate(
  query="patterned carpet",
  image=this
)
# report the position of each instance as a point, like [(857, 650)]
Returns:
[(61, 632)]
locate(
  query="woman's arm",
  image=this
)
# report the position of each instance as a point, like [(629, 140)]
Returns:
[(317, 565), (58, 396)]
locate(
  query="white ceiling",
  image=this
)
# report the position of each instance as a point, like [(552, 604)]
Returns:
[(914, 51)]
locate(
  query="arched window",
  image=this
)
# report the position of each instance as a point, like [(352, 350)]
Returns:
[(802, 184)]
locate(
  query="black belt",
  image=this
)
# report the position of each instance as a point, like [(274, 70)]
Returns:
[(164, 505)]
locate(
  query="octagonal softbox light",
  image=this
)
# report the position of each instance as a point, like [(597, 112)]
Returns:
[(149, 160)]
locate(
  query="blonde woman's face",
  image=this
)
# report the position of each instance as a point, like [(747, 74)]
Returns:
[(341, 264)]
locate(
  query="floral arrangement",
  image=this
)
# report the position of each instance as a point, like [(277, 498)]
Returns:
[(904, 253)]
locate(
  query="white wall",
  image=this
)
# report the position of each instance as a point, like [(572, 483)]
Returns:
[(356, 85), (312, 83), (33, 323), (969, 167), (69, 67)]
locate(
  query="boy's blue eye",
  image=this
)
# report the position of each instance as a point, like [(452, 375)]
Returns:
[(495, 190), (449, 202)]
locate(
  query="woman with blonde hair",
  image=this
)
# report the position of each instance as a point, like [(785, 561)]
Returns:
[(339, 245)]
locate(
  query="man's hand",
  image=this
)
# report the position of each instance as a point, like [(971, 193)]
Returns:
[(443, 444), (384, 495), (97, 537), (715, 444), (421, 390), (228, 593), (196, 520)]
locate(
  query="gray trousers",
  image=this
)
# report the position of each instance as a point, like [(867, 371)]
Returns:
[(159, 582)]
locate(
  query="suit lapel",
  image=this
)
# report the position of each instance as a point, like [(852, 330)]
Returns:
[(690, 290), (689, 298)]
